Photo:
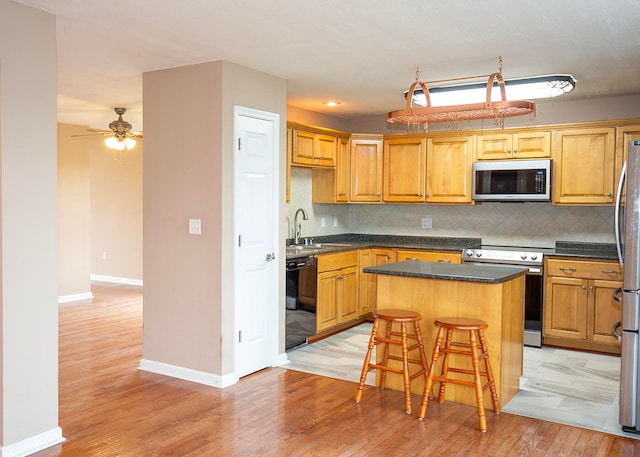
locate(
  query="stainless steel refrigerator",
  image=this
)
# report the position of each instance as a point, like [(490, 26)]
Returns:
[(627, 223)]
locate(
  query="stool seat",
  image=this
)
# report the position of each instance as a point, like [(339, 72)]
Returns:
[(476, 348), (461, 323), (400, 338), (396, 315)]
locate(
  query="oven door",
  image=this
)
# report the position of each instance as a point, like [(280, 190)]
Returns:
[(533, 298)]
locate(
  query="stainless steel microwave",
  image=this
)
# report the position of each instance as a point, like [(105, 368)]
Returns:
[(513, 180)]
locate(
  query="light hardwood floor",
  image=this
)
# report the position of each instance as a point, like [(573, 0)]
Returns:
[(110, 408)]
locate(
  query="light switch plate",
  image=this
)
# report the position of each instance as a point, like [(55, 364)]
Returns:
[(194, 227)]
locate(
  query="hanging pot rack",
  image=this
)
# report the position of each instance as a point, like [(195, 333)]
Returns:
[(496, 110)]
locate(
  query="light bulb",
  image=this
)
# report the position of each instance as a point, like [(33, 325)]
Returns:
[(119, 146), (129, 143), (111, 142)]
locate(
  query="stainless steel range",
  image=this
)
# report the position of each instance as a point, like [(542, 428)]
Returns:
[(531, 258)]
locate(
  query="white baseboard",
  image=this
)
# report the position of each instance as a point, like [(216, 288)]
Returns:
[(33, 444), (75, 297), (282, 359), (117, 280), (188, 374)]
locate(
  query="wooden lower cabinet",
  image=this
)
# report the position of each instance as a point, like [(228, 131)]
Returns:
[(579, 308), (337, 300), (428, 256), (368, 282)]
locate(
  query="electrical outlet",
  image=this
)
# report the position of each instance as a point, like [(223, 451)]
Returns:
[(194, 227), (335, 221), (323, 223), (104, 255), (427, 223)]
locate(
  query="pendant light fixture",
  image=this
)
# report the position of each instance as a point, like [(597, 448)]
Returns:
[(489, 108)]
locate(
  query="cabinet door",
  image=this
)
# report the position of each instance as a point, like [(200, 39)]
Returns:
[(347, 293), (583, 166), (404, 168), (494, 147), (327, 305), (565, 311), (623, 136), (429, 256), (369, 282), (325, 150), (604, 311), (449, 163), (532, 145), (302, 148), (366, 170)]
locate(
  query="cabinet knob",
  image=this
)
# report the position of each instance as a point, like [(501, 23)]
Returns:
[(584, 287), (609, 195), (567, 269), (613, 272), (515, 151), (590, 287)]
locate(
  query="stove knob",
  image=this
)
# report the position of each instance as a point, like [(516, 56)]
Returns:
[(478, 253), (523, 256), (534, 257), (469, 253)]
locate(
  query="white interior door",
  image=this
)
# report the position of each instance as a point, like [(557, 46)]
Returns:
[(256, 211)]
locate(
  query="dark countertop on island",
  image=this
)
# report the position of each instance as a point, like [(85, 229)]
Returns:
[(448, 271)]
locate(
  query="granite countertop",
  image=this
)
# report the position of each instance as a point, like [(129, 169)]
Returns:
[(337, 243), (448, 271)]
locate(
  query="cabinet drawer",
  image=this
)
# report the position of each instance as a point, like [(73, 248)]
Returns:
[(428, 256), (328, 262), (584, 269)]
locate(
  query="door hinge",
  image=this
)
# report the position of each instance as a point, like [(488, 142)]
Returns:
[(239, 144), (239, 336), (239, 241)]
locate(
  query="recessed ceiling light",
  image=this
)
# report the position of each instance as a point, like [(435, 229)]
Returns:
[(331, 103)]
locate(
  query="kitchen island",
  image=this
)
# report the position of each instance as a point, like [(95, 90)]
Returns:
[(493, 294)]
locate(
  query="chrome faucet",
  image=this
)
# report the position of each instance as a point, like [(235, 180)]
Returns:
[(296, 226)]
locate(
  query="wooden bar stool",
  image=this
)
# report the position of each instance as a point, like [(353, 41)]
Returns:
[(400, 338), (476, 348)]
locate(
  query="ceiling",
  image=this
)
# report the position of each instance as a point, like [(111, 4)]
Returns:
[(363, 53)]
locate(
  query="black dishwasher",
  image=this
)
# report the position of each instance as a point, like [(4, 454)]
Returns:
[(301, 289)]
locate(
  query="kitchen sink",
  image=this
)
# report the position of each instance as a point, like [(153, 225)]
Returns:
[(317, 246)]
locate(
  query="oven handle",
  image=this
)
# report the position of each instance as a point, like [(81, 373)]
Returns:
[(533, 270)]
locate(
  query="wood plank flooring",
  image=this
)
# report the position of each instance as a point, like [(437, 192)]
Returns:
[(110, 408)]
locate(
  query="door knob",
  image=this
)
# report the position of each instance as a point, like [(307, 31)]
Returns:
[(271, 256)]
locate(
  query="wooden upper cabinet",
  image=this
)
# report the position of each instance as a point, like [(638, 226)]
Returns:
[(449, 161), (366, 169), (623, 136), (404, 168), (584, 166), (313, 149), (331, 185), (521, 145)]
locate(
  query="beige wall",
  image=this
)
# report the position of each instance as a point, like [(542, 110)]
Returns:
[(116, 213), (74, 212), (29, 221), (100, 209), (189, 279), (560, 110)]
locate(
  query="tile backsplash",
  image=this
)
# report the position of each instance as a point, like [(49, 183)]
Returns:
[(535, 224)]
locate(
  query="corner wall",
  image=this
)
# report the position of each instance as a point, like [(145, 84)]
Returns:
[(29, 221), (188, 174)]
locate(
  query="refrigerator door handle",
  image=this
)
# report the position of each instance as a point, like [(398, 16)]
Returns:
[(618, 227), (614, 330)]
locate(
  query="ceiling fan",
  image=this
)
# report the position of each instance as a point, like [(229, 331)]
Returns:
[(120, 137)]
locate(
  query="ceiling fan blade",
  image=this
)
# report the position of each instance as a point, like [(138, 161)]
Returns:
[(91, 134)]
